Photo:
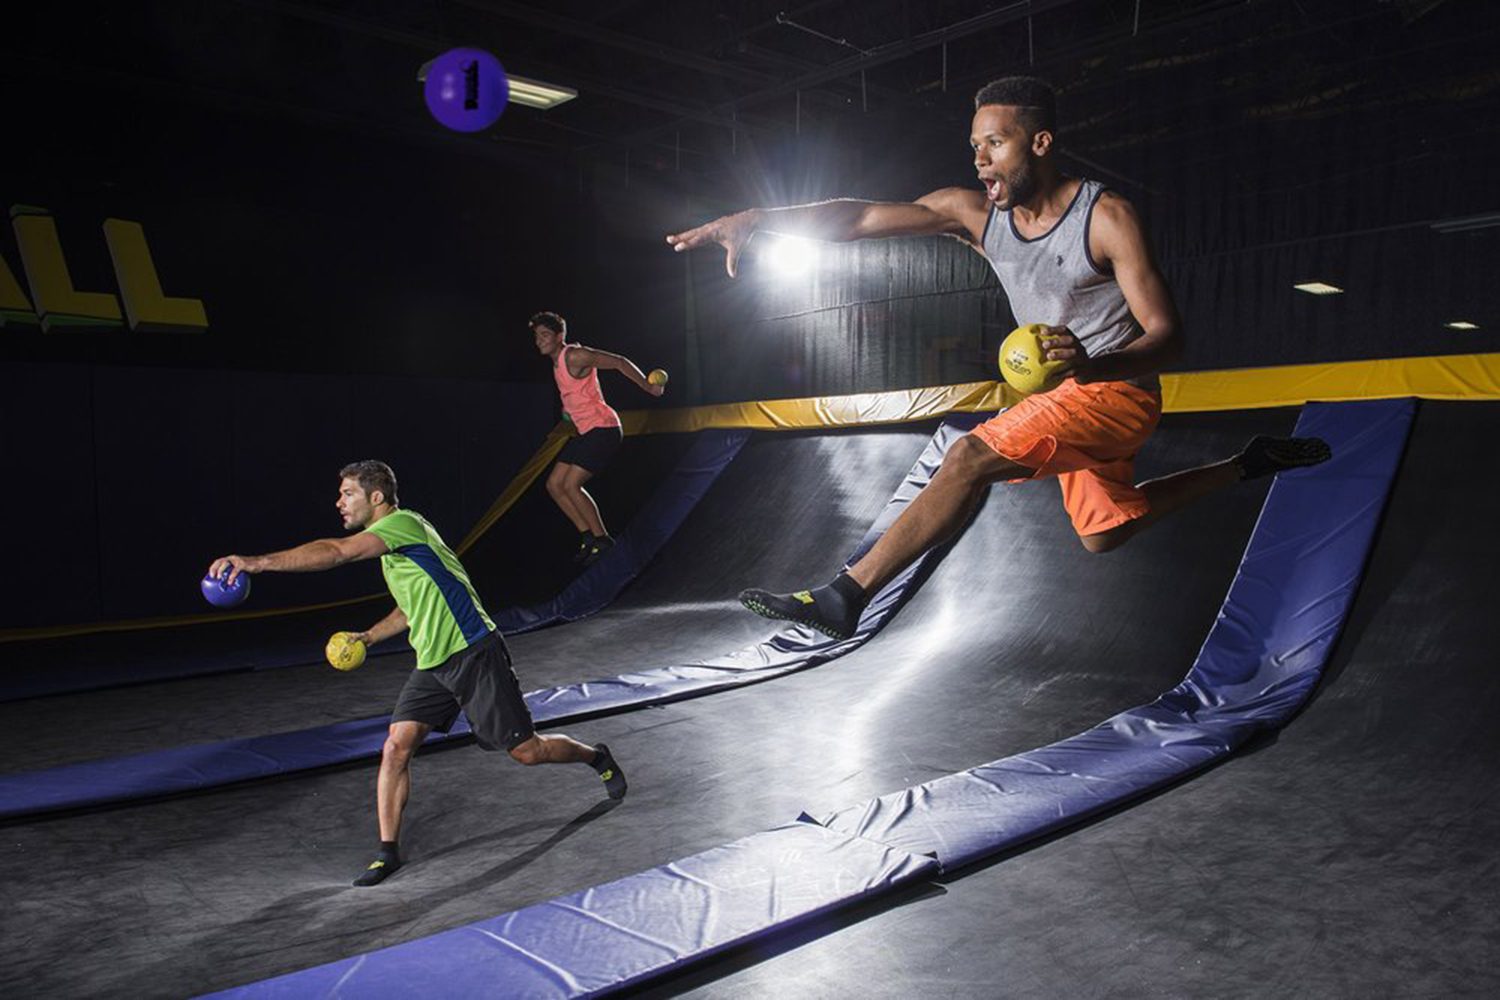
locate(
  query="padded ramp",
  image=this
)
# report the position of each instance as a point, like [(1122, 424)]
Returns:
[(1261, 661), (182, 769), (794, 647), (624, 932), (673, 500)]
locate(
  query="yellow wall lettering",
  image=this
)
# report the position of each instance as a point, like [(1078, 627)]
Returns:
[(15, 308), (147, 309), (58, 303)]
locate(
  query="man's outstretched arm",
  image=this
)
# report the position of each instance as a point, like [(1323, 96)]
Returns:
[(325, 553), (957, 212)]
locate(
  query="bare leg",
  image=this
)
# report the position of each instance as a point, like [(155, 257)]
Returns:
[(552, 749), (394, 782), (565, 498), (560, 749), (583, 504), (937, 512), (1167, 494)]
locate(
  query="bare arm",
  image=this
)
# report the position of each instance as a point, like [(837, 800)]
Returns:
[(392, 624), (325, 553), (1117, 238), (957, 212), (592, 357)]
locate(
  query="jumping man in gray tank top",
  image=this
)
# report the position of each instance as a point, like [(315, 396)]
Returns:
[(1072, 256)]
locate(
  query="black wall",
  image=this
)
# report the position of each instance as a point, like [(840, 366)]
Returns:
[(367, 296), (367, 279)]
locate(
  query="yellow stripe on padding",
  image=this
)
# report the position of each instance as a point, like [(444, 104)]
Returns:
[(141, 624), (861, 410), (1459, 376), (1454, 377), (519, 484), (1451, 377)]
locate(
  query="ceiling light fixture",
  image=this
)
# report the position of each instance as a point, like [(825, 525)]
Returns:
[(1318, 288), (524, 90), (536, 94), (1461, 324)]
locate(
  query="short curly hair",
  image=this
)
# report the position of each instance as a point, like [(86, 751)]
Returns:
[(1034, 98), (372, 475), (550, 320)]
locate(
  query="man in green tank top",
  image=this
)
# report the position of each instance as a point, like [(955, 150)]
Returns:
[(462, 660)]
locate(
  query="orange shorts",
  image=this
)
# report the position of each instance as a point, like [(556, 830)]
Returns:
[(1086, 436)]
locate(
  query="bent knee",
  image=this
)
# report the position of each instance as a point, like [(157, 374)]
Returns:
[(967, 458)]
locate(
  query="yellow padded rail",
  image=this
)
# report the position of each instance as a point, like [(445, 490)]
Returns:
[(1449, 377)]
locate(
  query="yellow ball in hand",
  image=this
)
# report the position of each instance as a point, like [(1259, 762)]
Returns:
[(345, 650), (1023, 361), (657, 377)]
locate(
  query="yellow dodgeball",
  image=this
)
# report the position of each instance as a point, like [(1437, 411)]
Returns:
[(345, 650)]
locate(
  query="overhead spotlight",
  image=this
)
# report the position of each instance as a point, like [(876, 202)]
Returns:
[(536, 94), (523, 90), (1461, 324), (791, 255), (1318, 288)]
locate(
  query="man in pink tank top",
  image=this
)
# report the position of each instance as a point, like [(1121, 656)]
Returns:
[(576, 369)]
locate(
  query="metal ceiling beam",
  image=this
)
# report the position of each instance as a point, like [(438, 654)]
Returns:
[(614, 39), (633, 44), (891, 51), (880, 55)]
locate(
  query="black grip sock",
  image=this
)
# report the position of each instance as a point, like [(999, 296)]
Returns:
[(386, 863)]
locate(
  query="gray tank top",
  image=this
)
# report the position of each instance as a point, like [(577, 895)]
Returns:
[(1053, 279)]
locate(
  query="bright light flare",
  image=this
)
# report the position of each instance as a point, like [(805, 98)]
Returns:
[(791, 256)]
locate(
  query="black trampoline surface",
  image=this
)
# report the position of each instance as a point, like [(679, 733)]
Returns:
[(1350, 856)]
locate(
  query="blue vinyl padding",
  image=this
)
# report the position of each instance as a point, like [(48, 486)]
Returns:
[(622, 933), (181, 769), (675, 498), (1260, 663)]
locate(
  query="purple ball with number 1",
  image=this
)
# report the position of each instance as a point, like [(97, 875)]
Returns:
[(466, 89)]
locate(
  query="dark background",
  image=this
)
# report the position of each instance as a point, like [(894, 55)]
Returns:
[(367, 274)]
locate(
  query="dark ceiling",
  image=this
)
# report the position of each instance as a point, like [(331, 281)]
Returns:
[(690, 82), (1236, 107)]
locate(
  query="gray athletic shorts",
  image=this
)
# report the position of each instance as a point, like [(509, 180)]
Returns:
[(481, 682)]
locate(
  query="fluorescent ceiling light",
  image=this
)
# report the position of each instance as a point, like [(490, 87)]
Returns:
[(1318, 288), (1461, 324), (523, 90), (536, 94)]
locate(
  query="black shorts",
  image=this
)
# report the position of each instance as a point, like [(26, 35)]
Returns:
[(594, 450), (480, 681)]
